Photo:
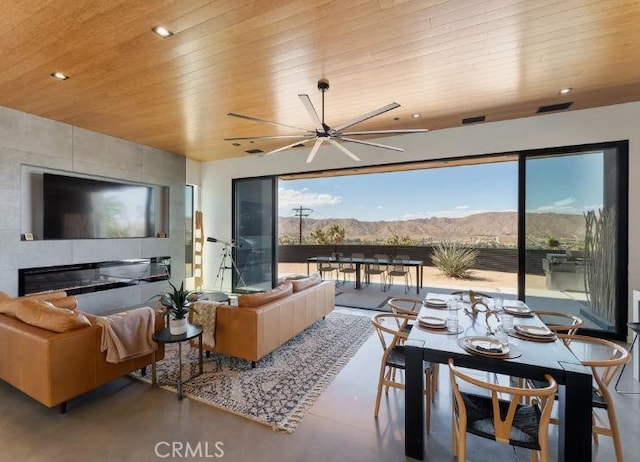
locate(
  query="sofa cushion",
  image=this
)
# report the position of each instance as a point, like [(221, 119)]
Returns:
[(255, 300), (8, 306), (305, 283), (46, 316)]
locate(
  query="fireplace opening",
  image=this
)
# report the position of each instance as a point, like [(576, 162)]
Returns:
[(93, 277)]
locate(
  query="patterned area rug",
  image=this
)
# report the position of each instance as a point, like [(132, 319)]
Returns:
[(284, 384)]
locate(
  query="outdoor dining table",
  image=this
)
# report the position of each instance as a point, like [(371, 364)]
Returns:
[(417, 264), (537, 359)]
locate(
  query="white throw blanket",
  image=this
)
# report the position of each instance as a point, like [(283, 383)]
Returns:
[(128, 334), (204, 314)]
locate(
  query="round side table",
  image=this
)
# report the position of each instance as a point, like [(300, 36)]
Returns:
[(164, 336)]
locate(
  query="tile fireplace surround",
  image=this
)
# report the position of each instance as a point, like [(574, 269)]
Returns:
[(93, 277)]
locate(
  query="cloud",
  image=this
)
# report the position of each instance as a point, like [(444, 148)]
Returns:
[(564, 202), (458, 212), (568, 206), (462, 207), (380, 207), (288, 198)]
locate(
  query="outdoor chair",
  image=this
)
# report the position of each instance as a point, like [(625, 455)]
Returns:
[(325, 265), (401, 269), (378, 268), (347, 267), (393, 359), (507, 421)]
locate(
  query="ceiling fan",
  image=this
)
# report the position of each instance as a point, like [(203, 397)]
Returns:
[(323, 132)]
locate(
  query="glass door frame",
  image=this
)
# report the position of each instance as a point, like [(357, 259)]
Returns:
[(274, 225), (622, 230)]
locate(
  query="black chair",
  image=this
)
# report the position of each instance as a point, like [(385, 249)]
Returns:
[(634, 326)]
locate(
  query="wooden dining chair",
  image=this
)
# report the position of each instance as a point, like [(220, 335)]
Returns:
[(411, 307), (393, 359), (506, 421), (610, 358), (560, 322)]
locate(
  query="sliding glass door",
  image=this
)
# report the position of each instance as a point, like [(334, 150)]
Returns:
[(254, 233), (575, 244)]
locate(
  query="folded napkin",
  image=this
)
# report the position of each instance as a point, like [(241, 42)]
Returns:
[(494, 349)]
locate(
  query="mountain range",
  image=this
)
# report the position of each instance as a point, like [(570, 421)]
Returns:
[(498, 228)]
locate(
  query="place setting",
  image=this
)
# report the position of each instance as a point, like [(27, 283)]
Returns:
[(533, 333), (448, 326), (517, 308), (449, 303), (490, 346)]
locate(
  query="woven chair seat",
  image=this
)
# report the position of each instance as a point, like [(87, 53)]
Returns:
[(524, 431)]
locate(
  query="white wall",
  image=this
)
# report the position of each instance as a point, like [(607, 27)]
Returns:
[(610, 123)]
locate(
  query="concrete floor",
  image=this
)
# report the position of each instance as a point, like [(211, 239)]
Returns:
[(127, 419)]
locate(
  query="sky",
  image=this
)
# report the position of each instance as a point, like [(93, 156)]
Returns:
[(565, 184)]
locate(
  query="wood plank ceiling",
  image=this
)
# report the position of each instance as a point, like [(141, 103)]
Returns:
[(446, 60)]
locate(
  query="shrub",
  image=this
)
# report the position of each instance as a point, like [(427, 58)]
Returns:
[(453, 259)]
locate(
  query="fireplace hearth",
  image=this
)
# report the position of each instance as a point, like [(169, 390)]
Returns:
[(93, 277)]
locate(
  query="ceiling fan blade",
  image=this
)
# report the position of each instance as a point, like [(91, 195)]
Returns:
[(267, 137), (255, 119), (287, 147), (308, 105), (314, 150), (369, 143), (387, 132), (343, 149), (367, 116)]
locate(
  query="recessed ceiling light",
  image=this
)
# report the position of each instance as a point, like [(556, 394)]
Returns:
[(415, 116), (235, 144), (59, 75), (565, 91), (162, 31)]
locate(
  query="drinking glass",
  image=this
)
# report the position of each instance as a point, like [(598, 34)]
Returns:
[(498, 300), (506, 322), (502, 336), (452, 321)]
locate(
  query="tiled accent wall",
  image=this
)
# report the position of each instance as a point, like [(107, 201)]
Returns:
[(34, 141)]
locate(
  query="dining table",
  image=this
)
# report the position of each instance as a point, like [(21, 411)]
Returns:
[(359, 262), (534, 360)]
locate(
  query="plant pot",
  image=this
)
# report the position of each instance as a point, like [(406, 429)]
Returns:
[(178, 326)]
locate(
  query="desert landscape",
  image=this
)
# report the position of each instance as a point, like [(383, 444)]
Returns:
[(490, 229)]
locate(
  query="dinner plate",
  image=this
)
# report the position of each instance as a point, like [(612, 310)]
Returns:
[(518, 310), (432, 322), (486, 346), (534, 331), (439, 302)]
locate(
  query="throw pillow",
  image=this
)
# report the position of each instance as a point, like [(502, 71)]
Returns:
[(301, 284), (256, 300), (46, 316)]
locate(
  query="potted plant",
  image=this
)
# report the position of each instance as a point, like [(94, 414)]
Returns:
[(177, 304)]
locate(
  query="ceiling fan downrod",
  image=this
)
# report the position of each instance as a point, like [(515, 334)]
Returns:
[(323, 86)]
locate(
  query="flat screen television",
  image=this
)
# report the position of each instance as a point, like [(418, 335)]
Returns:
[(84, 208)]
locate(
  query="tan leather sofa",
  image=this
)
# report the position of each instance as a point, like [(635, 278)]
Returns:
[(251, 332), (54, 367)]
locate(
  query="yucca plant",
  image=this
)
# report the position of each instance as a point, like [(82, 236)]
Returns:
[(454, 259)]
